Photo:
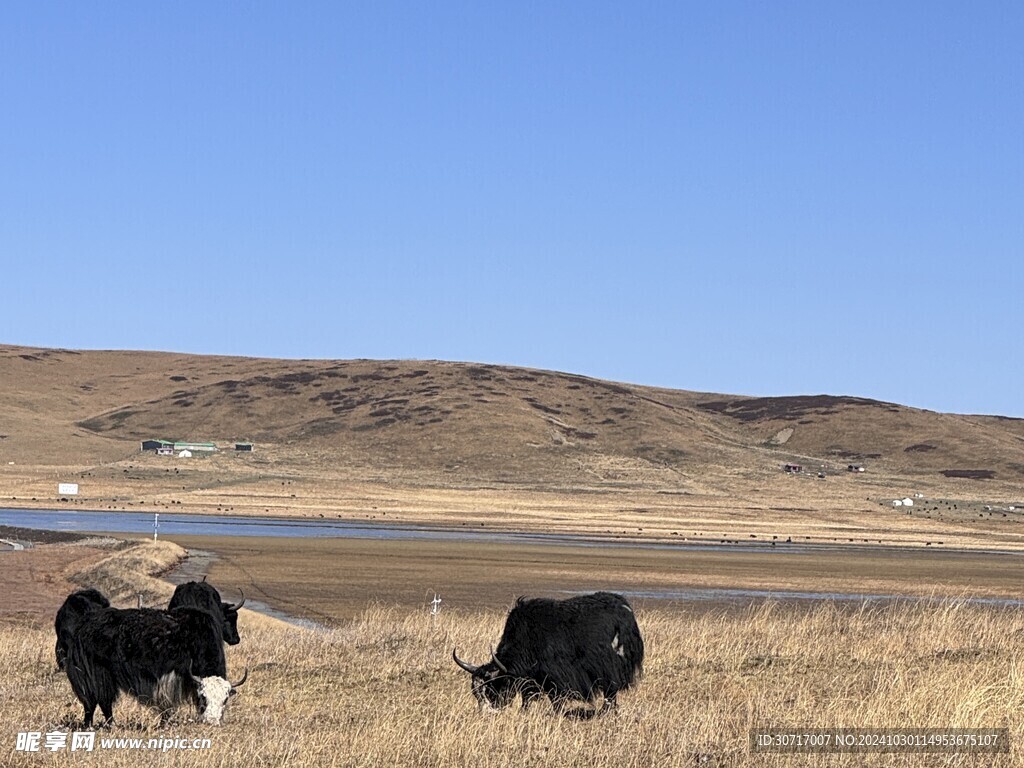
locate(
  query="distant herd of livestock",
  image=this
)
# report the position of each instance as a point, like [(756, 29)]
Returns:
[(586, 649)]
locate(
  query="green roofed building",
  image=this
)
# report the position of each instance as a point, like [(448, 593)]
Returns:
[(185, 445)]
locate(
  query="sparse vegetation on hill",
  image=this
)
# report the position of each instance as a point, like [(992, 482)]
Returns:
[(454, 420)]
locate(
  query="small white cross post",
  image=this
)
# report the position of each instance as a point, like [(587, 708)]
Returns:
[(435, 605), (156, 524)]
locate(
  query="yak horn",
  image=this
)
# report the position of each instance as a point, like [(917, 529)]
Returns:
[(245, 676), (468, 667), (498, 664), (236, 607)]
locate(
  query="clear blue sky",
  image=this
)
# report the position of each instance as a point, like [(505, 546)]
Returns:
[(758, 198)]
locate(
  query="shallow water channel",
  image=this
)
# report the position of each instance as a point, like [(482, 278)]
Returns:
[(171, 524), (143, 523)]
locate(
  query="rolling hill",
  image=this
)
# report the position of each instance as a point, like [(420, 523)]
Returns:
[(479, 423)]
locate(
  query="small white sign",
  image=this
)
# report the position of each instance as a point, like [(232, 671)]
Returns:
[(67, 489)]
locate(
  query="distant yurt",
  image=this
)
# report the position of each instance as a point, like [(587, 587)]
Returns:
[(897, 503), (908, 502), (185, 454)]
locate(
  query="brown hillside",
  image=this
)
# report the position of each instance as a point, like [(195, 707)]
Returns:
[(493, 423)]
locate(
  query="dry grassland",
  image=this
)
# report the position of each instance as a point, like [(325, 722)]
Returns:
[(382, 689)]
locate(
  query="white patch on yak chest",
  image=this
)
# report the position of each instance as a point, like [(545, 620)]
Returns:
[(168, 693)]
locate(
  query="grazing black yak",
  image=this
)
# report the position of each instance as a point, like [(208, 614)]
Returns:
[(568, 650), (162, 658)]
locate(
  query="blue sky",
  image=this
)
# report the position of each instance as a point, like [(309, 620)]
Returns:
[(746, 197)]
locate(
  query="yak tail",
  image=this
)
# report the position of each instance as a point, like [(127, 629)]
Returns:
[(631, 645), (91, 682)]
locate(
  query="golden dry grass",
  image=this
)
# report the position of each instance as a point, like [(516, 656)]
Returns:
[(132, 571), (383, 691)]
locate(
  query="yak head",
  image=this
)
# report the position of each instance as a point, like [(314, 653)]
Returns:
[(205, 597), (230, 614), (213, 694), (492, 685)]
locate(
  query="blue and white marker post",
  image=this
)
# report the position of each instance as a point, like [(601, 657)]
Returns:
[(156, 524)]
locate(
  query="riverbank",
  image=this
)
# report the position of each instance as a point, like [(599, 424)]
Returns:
[(330, 571), (766, 506), (59, 525), (334, 580)]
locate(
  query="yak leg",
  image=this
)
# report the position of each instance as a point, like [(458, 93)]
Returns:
[(581, 713), (90, 708), (610, 700), (577, 713), (107, 694), (530, 693), (89, 701)]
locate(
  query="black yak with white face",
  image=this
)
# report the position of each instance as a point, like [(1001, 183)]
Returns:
[(199, 594), (162, 658), (577, 649), (69, 618)]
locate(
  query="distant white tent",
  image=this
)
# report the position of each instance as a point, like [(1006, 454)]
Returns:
[(908, 502), (185, 454), (897, 503)]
